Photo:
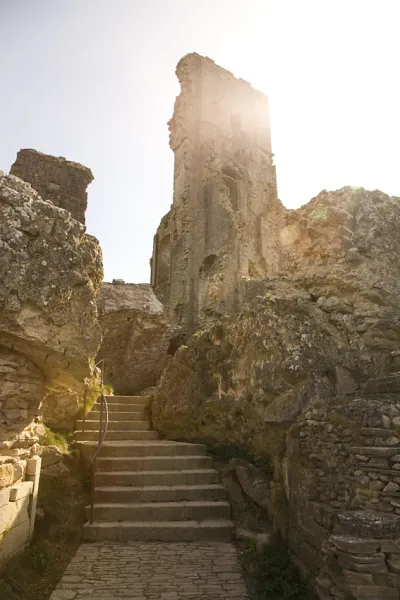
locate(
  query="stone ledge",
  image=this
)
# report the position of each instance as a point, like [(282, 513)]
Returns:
[(20, 490), (355, 545)]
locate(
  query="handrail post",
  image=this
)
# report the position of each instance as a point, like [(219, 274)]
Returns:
[(101, 420), (102, 435), (92, 490), (84, 411)]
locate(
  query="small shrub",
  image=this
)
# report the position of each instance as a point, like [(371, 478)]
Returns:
[(273, 572), (58, 438), (93, 394)]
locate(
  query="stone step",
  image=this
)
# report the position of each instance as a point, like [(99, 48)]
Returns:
[(377, 432), (153, 463), (136, 434), (160, 493), (119, 415), (144, 448), (129, 400), (380, 470), (161, 511), (115, 425), (148, 478), (122, 406), (162, 531), (376, 451)]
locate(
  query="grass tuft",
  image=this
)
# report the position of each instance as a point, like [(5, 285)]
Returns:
[(60, 439)]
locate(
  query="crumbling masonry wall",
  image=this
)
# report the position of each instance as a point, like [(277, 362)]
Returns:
[(56, 179), (222, 225)]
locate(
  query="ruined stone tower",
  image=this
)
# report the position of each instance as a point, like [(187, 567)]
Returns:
[(60, 181), (222, 225)]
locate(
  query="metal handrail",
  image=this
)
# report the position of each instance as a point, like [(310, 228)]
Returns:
[(102, 435)]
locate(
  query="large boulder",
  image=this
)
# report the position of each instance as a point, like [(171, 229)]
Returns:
[(343, 248), (51, 272), (136, 336)]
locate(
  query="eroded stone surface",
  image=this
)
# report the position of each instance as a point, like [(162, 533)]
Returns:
[(222, 223), (153, 571), (136, 336), (56, 179), (51, 273)]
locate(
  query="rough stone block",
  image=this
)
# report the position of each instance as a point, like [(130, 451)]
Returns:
[(51, 455), (365, 564), (390, 546), (6, 475), (4, 496), (13, 541), (33, 474), (393, 563), (391, 488), (19, 470), (13, 514), (33, 466), (375, 592), (21, 490), (355, 578), (354, 545), (364, 524)]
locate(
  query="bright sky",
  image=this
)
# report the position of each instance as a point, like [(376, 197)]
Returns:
[(94, 81)]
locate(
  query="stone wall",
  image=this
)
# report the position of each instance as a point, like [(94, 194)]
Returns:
[(18, 497), (57, 180), (343, 467), (136, 336), (222, 223)]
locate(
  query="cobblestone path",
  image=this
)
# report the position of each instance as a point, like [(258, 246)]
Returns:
[(153, 571)]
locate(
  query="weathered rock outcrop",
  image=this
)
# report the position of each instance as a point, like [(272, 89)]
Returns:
[(51, 272), (136, 336), (307, 372)]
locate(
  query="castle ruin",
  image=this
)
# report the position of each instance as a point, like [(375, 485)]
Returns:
[(222, 224)]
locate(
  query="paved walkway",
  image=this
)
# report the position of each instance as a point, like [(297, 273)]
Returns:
[(153, 571)]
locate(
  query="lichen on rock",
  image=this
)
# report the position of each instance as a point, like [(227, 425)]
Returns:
[(51, 271)]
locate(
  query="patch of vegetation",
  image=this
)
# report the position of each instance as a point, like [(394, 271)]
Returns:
[(226, 452), (61, 439), (93, 394), (6, 592), (272, 574), (63, 494)]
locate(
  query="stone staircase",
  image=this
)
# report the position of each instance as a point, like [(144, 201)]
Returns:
[(148, 489)]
